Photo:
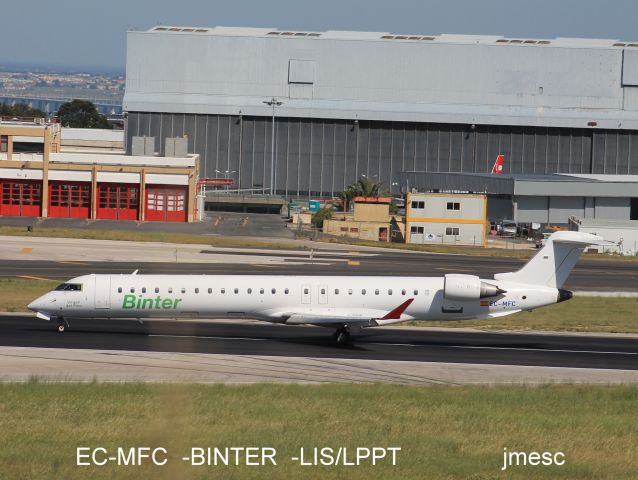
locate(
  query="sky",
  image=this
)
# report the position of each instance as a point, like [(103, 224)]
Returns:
[(91, 34)]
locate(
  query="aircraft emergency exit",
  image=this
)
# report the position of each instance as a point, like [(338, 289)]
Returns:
[(345, 303)]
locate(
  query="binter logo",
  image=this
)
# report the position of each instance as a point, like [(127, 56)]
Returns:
[(157, 303)]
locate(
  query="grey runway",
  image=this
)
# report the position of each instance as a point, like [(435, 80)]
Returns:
[(593, 275), (389, 344)]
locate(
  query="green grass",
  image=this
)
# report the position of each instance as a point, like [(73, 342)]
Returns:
[(580, 314), (444, 432), (137, 236), (17, 293)]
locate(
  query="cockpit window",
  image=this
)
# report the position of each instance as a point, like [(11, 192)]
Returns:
[(69, 287)]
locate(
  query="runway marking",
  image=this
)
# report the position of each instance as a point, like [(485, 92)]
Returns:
[(412, 345), (210, 337), (26, 250), (37, 278), (477, 347), (72, 262)]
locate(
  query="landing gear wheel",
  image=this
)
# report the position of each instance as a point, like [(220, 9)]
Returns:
[(62, 325), (342, 336)]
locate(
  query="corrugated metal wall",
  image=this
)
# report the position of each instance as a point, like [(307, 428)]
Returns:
[(319, 157)]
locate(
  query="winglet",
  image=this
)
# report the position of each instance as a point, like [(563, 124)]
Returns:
[(396, 313)]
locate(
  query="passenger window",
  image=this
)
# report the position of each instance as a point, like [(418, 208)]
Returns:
[(156, 289), (305, 291), (170, 289), (183, 290), (426, 292), (274, 290), (323, 291), (363, 291), (119, 289), (390, 291), (286, 291), (416, 292), (336, 291), (349, 291), (250, 290), (237, 290), (210, 290), (376, 292), (223, 290), (261, 291), (132, 289), (403, 292), (197, 290), (143, 289)]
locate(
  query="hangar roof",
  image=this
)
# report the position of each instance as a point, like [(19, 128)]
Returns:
[(388, 36), (555, 185)]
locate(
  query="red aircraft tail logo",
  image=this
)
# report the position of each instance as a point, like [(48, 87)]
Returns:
[(497, 169)]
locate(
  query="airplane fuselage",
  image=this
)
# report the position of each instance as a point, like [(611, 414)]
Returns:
[(281, 299)]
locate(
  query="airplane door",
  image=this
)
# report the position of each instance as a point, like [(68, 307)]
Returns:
[(323, 294), (305, 294), (102, 291)]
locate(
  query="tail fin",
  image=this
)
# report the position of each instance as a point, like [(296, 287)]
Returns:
[(554, 262), (497, 168)]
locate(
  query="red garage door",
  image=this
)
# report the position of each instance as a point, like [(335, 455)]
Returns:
[(69, 199), (166, 204), (21, 197), (117, 201)]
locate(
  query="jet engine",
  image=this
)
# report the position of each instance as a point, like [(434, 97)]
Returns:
[(468, 287)]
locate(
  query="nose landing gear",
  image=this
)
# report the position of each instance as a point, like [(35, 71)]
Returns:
[(62, 325)]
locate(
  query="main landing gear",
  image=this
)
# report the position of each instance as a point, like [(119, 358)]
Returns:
[(62, 325), (342, 336)]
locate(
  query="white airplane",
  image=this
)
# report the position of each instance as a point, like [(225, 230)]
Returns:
[(345, 303)]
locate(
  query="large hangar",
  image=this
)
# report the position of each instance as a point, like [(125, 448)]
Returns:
[(378, 104)]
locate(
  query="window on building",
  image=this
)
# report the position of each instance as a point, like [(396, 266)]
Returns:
[(418, 204), (344, 229), (414, 229), (354, 230), (452, 231), (453, 206)]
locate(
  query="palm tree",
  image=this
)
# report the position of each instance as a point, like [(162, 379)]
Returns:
[(366, 187)]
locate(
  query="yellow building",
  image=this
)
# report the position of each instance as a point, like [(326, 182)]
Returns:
[(371, 220)]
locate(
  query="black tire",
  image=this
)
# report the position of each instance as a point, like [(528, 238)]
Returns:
[(61, 327), (342, 337)]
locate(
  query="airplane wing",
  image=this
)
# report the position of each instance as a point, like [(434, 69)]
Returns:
[(340, 320)]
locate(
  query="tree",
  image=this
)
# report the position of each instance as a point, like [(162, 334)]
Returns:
[(365, 187), (81, 114), (21, 110), (320, 215)]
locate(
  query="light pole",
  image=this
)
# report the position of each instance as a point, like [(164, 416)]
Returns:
[(273, 102)]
